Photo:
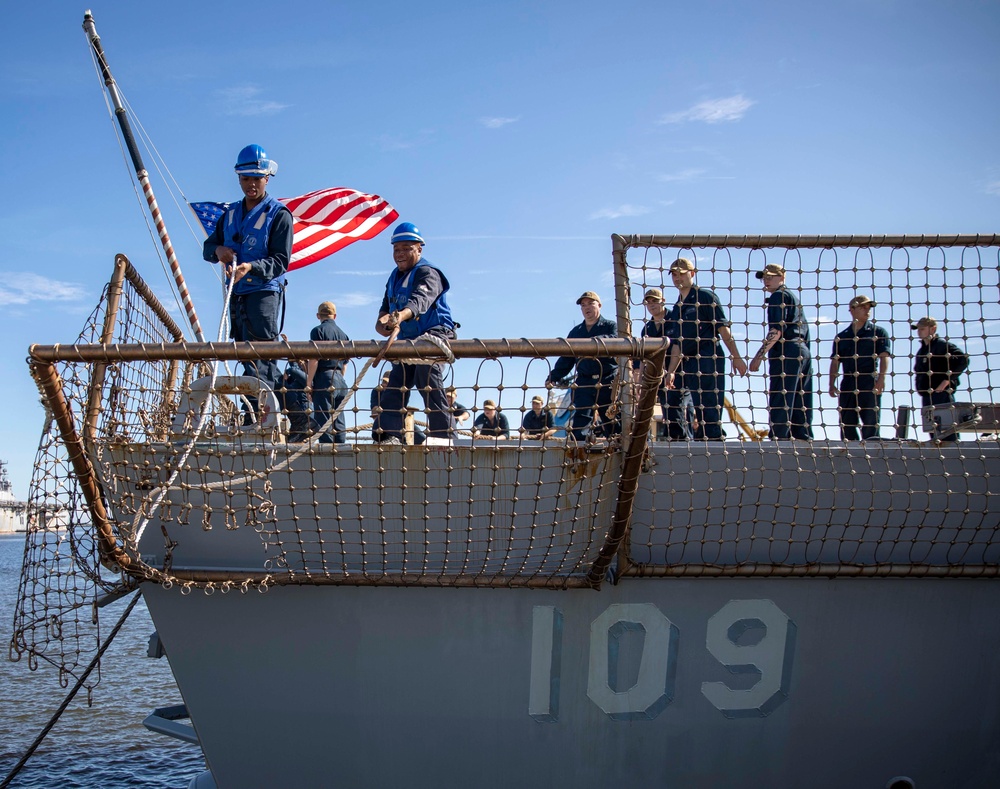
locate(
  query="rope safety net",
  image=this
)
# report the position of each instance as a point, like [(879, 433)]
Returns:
[(900, 498), (231, 507)]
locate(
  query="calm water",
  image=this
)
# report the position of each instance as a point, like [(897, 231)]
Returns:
[(104, 745)]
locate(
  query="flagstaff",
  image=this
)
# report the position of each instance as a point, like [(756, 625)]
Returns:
[(143, 176)]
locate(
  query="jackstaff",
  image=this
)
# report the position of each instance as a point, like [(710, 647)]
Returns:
[(143, 176)]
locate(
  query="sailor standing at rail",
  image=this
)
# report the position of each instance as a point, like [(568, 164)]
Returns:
[(696, 324), (860, 349), (295, 401), (790, 381), (937, 370), (326, 377), (591, 390), (458, 411), (537, 424), (415, 302), (253, 241), (656, 328), (491, 423)]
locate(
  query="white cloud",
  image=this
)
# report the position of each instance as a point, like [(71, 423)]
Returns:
[(25, 287), (392, 143), (993, 188), (623, 210), (496, 123), (356, 300), (731, 108), (684, 175), (245, 100), (389, 142), (371, 273)]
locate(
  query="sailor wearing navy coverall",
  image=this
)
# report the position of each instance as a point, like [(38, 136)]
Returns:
[(859, 350), (937, 368), (695, 325), (376, 403), (594, 377), (537, 424), (789, 366), (415, 301), (295, 401), (656, 328), (326, 377), (458, 411), (253, 241), (491, 423)]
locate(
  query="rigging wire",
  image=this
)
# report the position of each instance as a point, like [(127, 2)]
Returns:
[(158, 162), (133, 180), (66, 702), (143, 205)]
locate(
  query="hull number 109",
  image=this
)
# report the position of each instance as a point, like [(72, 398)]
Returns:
[(770, 657)]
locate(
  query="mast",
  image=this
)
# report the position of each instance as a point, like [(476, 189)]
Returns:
[(143, 176)]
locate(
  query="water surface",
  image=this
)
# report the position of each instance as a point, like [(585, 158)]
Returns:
[(104, 745)]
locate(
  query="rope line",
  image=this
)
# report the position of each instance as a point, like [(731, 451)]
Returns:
[(69, 697)]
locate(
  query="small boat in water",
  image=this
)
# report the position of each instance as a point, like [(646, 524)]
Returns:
[(538, 613)]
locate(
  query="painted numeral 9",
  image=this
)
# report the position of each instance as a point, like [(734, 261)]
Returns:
[(771, 657)]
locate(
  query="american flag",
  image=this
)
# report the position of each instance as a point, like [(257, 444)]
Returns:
[(326, 221)]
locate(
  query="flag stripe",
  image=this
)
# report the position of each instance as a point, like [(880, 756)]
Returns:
[(325, 221), (314, 242)]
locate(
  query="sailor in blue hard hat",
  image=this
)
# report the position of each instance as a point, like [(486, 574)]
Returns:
[(253, 162), (406, 231), (253, 241), (415, 304)]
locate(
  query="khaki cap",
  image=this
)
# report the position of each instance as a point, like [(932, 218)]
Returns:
[(653, 294), (489, 404), (927, 321), (327, 308), (682, 264), (537, 399), (589, 294), (860, 301), (771, 269)]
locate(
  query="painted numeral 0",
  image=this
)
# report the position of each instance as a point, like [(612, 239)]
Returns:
[(654, 687)]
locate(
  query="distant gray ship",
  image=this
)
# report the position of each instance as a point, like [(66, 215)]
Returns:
[(13, 513)]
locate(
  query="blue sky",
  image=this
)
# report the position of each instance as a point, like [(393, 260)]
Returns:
[(518, 136)]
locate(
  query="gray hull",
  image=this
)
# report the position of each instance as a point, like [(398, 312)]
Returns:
[(659, 681), (865, 680), (520, 613)]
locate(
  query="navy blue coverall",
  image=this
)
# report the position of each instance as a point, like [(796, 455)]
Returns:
[(593, 384), (329, 387), (790, 381)]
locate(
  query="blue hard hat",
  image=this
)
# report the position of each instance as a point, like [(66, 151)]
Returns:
[(253, 161), (406, 231)]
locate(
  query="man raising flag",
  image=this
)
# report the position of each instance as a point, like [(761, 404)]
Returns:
[(253, 241), (260, 239), (326, 221)]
